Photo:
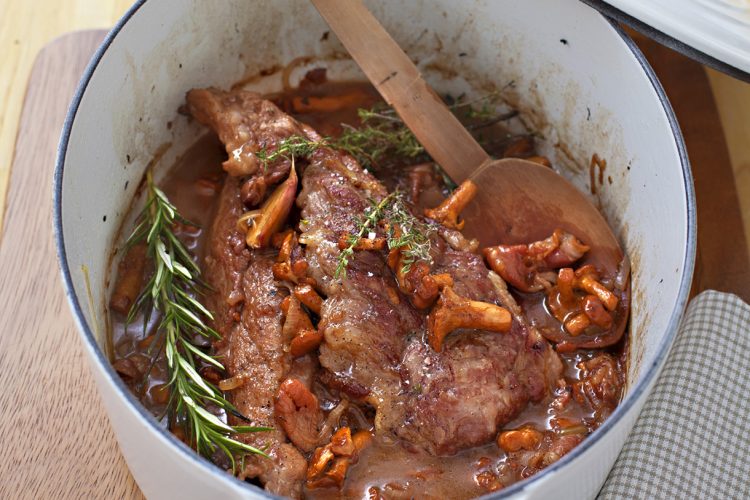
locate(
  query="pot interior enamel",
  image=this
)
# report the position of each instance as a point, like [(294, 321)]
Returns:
[(575, 77)]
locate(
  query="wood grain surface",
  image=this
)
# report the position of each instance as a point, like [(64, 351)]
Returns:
[(56, 439), (733, 102), (722, 260), (25, 27)]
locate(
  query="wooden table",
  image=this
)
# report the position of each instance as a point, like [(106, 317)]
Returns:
[(57, 442)]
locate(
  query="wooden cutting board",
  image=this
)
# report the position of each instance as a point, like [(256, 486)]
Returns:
[(55, 439)]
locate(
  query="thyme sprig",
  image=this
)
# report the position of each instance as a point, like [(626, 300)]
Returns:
[(404, 231), (372, 216), (383, 136), (171, 291), (295, 146), (407, 232)]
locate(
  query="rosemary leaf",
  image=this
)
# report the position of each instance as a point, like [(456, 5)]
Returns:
[(203, 355), (213, 419), (182, 270), (252, 428)]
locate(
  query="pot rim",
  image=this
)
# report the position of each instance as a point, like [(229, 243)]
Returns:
[(207, 467)]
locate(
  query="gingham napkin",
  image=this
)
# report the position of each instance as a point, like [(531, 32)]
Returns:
[(692, 439)]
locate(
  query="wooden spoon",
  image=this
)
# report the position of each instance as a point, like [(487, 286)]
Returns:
[(518, 201)]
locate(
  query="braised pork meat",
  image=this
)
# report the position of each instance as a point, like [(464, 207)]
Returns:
[(388, 354)]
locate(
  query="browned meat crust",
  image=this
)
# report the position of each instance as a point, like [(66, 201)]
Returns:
[(227, 258), (246, 124), (364, 319), (246, 305), (462, 396)]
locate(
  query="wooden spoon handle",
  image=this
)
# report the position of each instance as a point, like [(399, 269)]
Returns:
[(397, 79)]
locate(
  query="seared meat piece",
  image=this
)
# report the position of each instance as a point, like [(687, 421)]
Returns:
[(373, 336), (255, 348), (481, 380), (445, 401), (227, 258), (467, 270), (284, 476), (460, 397), (364, 318), (246, 306), (246, 124)]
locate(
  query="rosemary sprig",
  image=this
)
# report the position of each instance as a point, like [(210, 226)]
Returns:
[(404, 231), (170, 291)]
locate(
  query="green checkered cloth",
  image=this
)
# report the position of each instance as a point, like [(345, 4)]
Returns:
[(692, 439)]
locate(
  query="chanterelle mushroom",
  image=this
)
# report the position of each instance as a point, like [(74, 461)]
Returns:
[(453, 312), (289, 265), (329, 463), (576, 311), (417, 283), (263, 223), (527, 267), (309, 297), (448, 211), (298, 330)]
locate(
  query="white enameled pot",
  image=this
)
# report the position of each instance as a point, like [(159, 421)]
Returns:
[(579, 81)]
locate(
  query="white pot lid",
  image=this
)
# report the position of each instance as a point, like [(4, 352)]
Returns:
[(713, 32)]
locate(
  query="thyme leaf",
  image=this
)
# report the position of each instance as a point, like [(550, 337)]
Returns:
[(407, 232), (404, 231), (171, 291), (372, 216), (295, 146)]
